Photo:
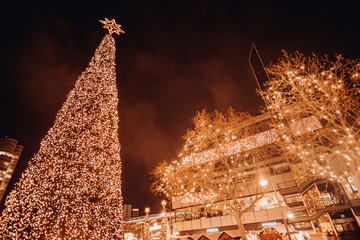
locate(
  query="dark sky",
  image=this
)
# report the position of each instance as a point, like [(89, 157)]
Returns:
[(176, 57)]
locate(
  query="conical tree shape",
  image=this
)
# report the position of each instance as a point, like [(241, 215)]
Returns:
[(72, 186), (164, 226), (146, 232)]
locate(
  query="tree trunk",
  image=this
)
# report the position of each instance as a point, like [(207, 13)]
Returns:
[(240, 226)]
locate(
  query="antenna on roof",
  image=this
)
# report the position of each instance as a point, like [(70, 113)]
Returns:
[(258, 69)]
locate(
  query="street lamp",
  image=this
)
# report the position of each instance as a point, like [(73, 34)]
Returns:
[(263, 182)]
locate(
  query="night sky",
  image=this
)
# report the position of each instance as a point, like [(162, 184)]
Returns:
[(176, 57)]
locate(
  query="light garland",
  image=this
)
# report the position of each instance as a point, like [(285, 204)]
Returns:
[(305, 125), (258, 140)]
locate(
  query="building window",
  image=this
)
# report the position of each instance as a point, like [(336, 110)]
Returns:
[(268, 201), (293, 199), (312, 200)]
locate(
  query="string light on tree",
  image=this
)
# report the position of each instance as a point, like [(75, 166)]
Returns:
[(328, 90), (214, 166), (72, 186)]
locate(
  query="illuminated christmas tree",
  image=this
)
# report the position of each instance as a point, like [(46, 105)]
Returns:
[(165, 229), (146, 232), (72, 186)]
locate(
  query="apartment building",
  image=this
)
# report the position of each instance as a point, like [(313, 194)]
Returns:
[(10, 152)]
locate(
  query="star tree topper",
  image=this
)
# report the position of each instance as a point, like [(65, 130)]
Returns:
[(111, 26)]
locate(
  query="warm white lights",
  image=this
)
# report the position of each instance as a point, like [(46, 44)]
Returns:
[(325, 94), (112, 26), (304, 125), (217, 163), (72, 187)]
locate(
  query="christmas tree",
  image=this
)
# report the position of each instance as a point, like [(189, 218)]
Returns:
[(72, 186), (165, 230), (146, 232)]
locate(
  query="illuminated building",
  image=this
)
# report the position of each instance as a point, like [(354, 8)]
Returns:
[(127, 211), (134, 227), (9, 155), (134, 212), (214, 182), (293, 202)]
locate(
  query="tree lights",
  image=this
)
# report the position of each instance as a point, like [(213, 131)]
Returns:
[(165, 228), (146, 231), (72, 186), (218, 163), (328, 91)]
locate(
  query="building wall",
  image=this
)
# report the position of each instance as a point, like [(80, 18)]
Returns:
[(285, 194), (135, 225), (268, 211), (130, 212), (127, 211), (10, 152), (135, 212)]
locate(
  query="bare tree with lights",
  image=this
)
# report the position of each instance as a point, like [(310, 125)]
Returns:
[(223, 156), (72, 186), (316, 95)]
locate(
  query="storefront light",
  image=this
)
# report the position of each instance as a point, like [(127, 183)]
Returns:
[(212, 230), (267, 224)]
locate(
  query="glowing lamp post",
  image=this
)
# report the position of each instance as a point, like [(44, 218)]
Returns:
[(263, 182)]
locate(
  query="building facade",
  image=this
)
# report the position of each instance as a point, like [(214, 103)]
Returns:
[(134, 227), (127, 211), (135, 212), (10, 152), (293, 204)]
